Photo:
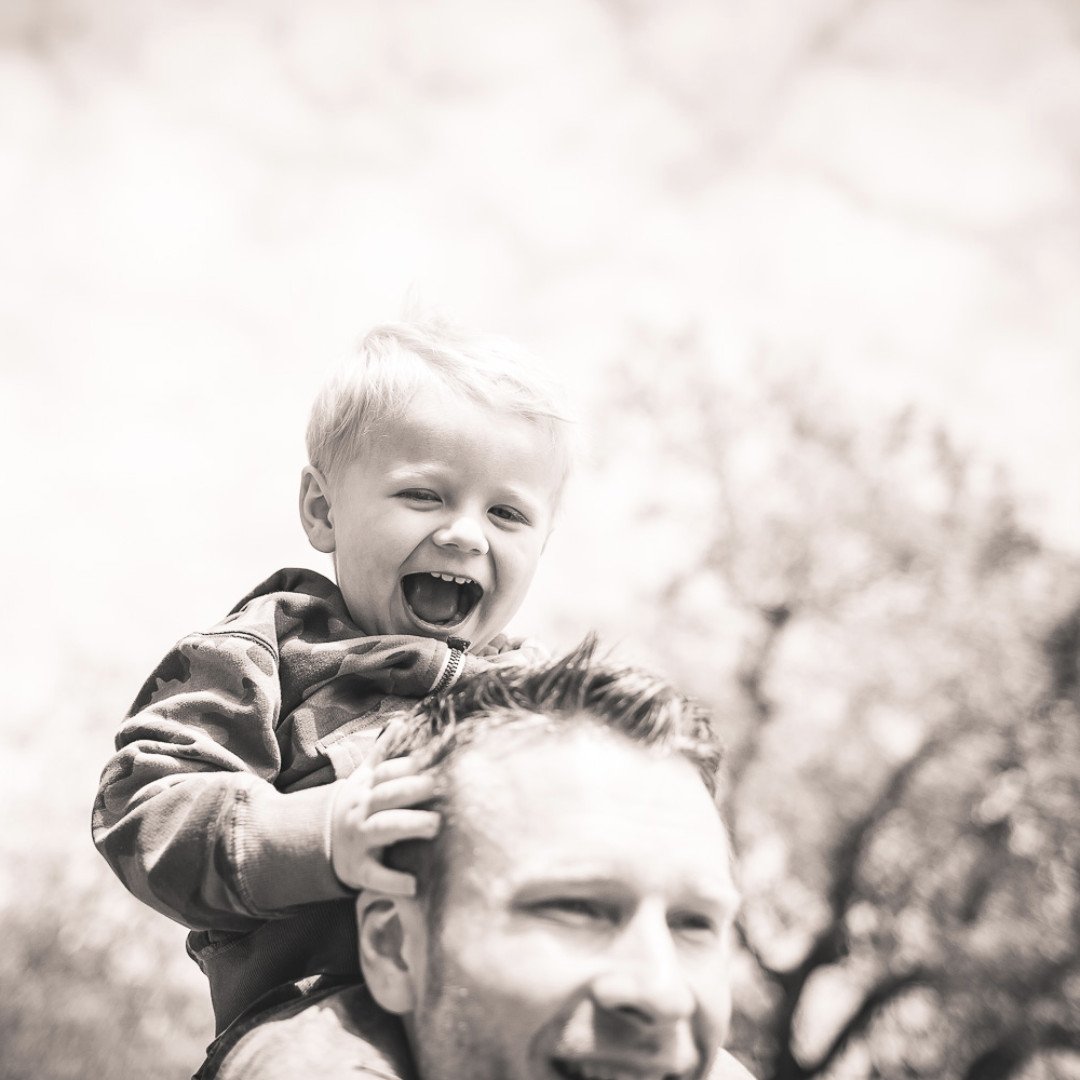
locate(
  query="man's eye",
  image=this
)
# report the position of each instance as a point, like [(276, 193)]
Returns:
[(693, 924), (574, 910), (508, 513), (418, 495)]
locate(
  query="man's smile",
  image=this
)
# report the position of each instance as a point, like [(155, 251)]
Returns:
[(611, 1070), (439, 599)]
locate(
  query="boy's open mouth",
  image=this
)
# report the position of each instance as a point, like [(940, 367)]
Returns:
[(440, 599)]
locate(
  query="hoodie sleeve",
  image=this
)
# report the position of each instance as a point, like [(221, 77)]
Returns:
[(187, 813)]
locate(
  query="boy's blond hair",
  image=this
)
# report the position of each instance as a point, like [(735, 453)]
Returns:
[(395, 359)]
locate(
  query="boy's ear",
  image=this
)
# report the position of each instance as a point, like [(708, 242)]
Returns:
[(392, 937), (315, 514)]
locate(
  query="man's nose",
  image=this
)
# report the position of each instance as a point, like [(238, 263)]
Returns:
[(463, 532), (645, 980)]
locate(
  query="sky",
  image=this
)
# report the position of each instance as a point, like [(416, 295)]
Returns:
[(204, 206)]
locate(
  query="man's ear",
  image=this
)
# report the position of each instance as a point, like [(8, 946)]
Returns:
[(391, 931), (315, 514)]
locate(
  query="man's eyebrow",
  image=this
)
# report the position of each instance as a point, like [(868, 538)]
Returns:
[(723, 901), (539, 886)]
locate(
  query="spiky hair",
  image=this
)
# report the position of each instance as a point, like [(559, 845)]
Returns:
[(580, 686)]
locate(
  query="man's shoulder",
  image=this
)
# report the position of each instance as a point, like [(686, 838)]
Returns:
[(343, 1034), (727, 1067)]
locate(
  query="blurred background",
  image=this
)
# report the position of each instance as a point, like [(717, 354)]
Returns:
[(811, 272)]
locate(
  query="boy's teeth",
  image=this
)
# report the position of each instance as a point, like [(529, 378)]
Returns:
[(450, 577)]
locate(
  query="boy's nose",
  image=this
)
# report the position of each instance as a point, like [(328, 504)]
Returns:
[(463, 533)]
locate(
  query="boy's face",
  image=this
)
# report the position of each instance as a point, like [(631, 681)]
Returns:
[(437, 529)]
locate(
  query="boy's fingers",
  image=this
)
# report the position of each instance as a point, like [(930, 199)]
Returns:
[(532, 649), (392, 768), (507, 659), (383, 879), (402, 791), (391, 826)]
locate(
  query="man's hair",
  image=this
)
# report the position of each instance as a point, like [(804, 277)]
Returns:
[(395, 359), (580, 688)]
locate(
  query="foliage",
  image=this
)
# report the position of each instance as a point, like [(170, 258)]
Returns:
[(905, 745), (92, 982), (85, 991)]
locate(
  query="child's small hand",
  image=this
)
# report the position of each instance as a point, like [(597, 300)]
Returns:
[(507, 650), (371, 812)]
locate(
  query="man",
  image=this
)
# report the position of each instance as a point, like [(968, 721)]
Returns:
[(573, 917)]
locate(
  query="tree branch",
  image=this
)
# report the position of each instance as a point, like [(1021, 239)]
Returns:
[(852, 844), (885, 991)]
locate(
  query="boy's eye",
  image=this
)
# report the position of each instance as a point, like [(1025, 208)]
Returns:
[(508, 513), (418, 495)]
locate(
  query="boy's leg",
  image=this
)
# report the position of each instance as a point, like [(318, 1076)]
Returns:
[(342, 1033)]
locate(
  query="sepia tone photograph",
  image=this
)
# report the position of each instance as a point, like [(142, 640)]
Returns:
[(544, 540)]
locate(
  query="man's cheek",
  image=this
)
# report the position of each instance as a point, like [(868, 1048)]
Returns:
[(713, 993), (503, 967)]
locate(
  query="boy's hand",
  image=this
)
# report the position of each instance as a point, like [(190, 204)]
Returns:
[(371, 812), (507, 650)]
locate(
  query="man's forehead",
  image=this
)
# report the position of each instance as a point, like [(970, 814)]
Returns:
[(535, 754), (582, 801)]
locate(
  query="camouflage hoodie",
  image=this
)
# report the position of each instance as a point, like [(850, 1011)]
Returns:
[(215, 808)]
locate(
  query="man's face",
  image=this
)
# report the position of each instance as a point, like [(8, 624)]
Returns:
[(585, 931), (438, 527)]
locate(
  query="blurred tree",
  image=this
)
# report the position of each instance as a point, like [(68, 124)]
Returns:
[(75, 1004), (92, 982), (905, 745)]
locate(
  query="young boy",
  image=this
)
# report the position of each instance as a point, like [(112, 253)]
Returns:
[(237, 802)]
